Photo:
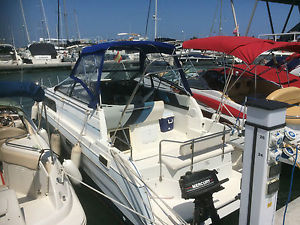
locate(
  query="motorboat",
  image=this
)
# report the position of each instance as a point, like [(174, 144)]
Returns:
[(41, 53), (9, 55), (140, 131), (34, 188), (289, 62), (226, 88)]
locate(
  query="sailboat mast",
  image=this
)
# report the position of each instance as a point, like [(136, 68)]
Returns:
[(45, 20), (220, 22), (251, 17), (155, 21), (58, 21), (65, 20), (25, 24), (234, 18), (146, 30), (214, 20), (76, 21), (12, 37)]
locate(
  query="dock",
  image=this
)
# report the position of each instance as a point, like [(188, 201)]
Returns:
[(23, 67), (292, 215)]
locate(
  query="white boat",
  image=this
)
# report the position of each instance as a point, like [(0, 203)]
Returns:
[(139, 132), (9, 55), (41, 53), (33, 187)]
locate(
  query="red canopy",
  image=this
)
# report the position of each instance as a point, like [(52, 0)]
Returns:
[(269, 73), (245, 48)]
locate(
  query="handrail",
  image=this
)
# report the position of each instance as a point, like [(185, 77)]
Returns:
[(280, 34), (192, 142)]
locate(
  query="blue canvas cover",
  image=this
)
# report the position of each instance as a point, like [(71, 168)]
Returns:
[(21, 89), (144, 46)]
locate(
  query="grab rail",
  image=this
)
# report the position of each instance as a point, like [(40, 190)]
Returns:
[(192, 142)]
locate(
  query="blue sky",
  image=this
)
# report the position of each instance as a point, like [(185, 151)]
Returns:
[(103, 19)]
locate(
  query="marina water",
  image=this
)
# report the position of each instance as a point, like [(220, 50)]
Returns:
[(99, 211)]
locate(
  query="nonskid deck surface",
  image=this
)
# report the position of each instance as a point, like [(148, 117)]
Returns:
[(37, 210), (225, 201), (168, 191)]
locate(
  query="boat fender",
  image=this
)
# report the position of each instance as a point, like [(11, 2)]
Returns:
[(76, 154), (34, 111), (55, 143), (70, 168), (44, 135)]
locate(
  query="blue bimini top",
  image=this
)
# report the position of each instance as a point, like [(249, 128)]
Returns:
[(144, 46)]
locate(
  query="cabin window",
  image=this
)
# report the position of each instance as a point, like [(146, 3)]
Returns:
[(50, 103)]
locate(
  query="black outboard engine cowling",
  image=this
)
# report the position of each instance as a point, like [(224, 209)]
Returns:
[(200, 186)]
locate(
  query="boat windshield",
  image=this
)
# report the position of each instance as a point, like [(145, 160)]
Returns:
[(6, 49), (119, 72), (120, 65)]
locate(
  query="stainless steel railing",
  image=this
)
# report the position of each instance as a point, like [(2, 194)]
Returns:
[(192, 143)]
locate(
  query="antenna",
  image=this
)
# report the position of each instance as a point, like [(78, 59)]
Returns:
[(155, 21)]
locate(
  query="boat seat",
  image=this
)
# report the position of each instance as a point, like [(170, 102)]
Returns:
[(290, 95), (9, 132), (19, 156), (145, 113), (10, 212), (206, 142), (174, 161), (147, 132), (153, 114), (240, 89)]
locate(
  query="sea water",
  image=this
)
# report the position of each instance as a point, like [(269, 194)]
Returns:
[(100, 211)]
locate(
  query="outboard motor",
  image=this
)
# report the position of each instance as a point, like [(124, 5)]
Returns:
[(200, 186)]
